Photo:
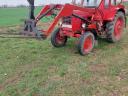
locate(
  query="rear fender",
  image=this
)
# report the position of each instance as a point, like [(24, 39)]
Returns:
[(111, 15)]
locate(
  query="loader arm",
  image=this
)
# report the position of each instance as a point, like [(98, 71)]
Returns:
[(67, 10), (46, 11)]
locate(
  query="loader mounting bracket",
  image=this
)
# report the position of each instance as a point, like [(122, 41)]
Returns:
[(30, 29)]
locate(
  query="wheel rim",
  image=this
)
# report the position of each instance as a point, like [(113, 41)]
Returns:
[(118, 28), (88, 44), (60, 39)]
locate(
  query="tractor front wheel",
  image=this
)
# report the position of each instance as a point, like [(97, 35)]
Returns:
[(86, 43), (57, 40), (115, 28)]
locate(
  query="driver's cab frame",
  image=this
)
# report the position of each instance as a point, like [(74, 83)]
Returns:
[(85, 4), (108, 8), (111, 7), (106, 2)]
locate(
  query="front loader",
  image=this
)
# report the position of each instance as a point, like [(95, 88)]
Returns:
[(83, 19)]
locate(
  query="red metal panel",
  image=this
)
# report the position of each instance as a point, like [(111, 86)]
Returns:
[(67, 10)]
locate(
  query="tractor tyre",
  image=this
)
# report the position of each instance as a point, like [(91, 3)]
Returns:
[(57, 40), (115, 28), (86, 43)]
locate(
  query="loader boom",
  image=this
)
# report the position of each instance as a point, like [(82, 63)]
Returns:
[(63, 13)]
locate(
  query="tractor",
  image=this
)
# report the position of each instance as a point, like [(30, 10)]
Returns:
[(83, 19)]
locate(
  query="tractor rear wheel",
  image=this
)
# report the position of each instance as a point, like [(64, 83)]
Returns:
[(86, 43), (57, 40), (115, 28)]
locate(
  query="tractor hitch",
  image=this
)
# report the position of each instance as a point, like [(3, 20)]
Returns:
[(30, 29)]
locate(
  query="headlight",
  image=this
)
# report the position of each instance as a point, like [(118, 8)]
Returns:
[(84, 25), (60, 23)]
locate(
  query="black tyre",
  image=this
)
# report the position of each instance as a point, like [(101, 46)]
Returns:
[(115, 28), (86, 43), (57, 40)]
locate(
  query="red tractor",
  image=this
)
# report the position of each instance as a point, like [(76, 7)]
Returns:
[(83, 19)]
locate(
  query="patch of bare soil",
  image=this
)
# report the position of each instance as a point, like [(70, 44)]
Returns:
[(1, 87), (10, 29), (20, 73), (97, 68), (19, 28), (52, 69), (11, 80), (124, 89), (123, 75)]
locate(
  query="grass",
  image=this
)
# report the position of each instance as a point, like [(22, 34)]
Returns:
[(15, 16), (35, 68), (8, 16), (31, 67)]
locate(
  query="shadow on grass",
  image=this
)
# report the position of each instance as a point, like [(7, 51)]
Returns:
[(102, 43)]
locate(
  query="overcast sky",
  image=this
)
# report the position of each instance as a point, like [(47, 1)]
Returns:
[(37, 2)]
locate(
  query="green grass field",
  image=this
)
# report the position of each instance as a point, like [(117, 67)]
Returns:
[(30, 67), (14, 16)]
